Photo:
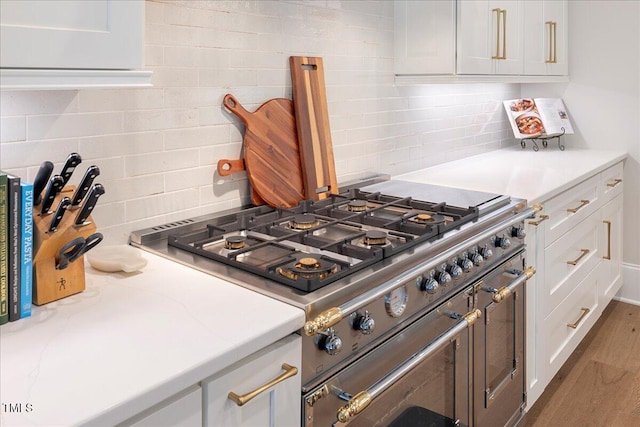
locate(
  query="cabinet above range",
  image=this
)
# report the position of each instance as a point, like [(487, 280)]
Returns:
[(511, 41), (72, 45)]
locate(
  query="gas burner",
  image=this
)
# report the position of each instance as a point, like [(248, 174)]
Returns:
[(235, 242), (375, 238), (426, 218), (303, 222), (357, 205), (307, 268)]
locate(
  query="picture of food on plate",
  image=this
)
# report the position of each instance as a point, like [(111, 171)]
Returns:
[(529, 124), (522, 105)]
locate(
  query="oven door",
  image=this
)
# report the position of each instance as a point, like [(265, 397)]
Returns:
[(419, 377), (499, 383)]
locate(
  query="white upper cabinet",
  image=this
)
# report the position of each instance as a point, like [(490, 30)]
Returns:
[(545, 37), (425, 37), (490, 37), (72, 44), (481, 40)]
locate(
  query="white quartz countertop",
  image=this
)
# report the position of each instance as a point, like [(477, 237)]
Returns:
[(522, 173), (129, 341)]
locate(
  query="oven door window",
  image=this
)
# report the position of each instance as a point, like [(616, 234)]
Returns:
[(500, 346)]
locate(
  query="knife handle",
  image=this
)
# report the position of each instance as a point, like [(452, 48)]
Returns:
[(40, 182), (55, 186), (70, 164), (57, 216), (83, 188), (97, 190)]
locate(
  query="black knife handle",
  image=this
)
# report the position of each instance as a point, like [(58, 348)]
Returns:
[(55, 186), (82, 189), (70, 164), (97, 190), (59, 213), (42, 177)]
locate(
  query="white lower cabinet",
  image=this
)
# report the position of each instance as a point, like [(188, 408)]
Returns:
[(277, 405), (184, 410), (575, 243)]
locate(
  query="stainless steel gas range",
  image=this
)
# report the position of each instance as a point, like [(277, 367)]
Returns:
[(412, 292)]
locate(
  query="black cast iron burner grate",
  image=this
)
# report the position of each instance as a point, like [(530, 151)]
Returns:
[(269, 246)]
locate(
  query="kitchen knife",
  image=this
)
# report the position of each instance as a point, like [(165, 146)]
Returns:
[(42, 177), (59, 213), (97, 190), (70, 164), (53, 188), (84, 186)]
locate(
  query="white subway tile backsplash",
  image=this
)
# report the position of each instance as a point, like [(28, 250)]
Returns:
[(158, 147)]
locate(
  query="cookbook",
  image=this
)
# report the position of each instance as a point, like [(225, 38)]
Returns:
[(538, 117)]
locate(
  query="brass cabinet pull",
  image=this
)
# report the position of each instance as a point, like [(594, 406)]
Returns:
[(608, 256), (582, 205), (290, 371), (538, 222), (577, 260), (614, 183), (503, 13), (553, 42), (574, 325)]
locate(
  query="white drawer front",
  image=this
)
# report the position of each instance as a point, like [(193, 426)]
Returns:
[(567, 209), (570, 322), (611, 182), (568, 261)]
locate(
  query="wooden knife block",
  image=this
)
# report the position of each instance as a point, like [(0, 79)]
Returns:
[(50, 284)]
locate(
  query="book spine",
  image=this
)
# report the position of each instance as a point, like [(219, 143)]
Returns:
[(26, 273), (14, 206), (4, 222)]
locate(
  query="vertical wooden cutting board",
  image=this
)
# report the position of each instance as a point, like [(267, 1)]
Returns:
[(312, 122)]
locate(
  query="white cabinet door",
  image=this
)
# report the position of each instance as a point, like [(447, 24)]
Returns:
[(611, 250), (184, 410), (97, 34), (545, 37), (424, 37), (490, 38), (278, 405)]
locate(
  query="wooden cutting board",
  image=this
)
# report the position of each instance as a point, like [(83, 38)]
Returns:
[(314, 132), (271, 154), (227, 167)]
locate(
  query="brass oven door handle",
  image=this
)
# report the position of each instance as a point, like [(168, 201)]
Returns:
[(574, 325), (614, 183), (360, 401), (240, 400), (577, 260), (501, 294), (608, 256), (583, 203)]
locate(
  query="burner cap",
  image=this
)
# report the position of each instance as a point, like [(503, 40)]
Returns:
[(375, 237), (426, 218), (235, 242), (303, 222), (307, 268), (357, 205)]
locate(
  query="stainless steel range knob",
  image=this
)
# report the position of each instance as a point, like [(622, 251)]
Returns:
[(502, 242), (476, 258), (443, 277), (454, 270), (465, 264), (365, 323), (485, 252), (430, 285), (330, 342), (518, 232)]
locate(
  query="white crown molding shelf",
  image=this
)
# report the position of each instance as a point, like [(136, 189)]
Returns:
[(405, 80), (45, 79)]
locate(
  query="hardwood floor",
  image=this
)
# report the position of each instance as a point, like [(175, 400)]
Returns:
[(599, 385)]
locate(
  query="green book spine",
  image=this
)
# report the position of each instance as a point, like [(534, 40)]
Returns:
[(4, 248), (13, 241)]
